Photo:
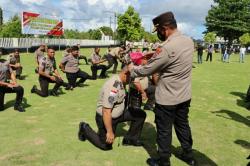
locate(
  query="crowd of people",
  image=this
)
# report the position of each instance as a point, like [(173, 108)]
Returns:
[(226, 52)]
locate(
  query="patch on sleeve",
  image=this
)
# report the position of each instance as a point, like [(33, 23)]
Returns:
[(111, 99), (112, 96), (116, 84)]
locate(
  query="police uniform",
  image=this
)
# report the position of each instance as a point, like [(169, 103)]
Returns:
[(113, 96), (39, 55), (73, 71), (173, 90), (14, 60), (95, 58), (112, 58), (48, 66), (5, 72)]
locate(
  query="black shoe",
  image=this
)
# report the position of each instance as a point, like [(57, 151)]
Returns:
[(1, 108), (53, 93), (81, 135), (157, 162), (128, 142), (33, 90), (19, 108), (69, 88), (187, 159)]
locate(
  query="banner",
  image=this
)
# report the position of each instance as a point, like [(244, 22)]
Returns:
[(36, 24)]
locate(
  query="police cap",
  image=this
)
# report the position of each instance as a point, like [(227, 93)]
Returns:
[(163, 19)]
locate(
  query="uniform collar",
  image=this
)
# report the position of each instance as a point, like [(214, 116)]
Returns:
[(174, 35)]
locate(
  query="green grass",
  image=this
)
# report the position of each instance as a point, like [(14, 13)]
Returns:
[(46, 134)]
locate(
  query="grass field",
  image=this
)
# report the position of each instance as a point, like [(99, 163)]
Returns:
[(46, 134)]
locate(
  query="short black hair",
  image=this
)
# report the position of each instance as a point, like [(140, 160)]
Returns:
[(75, 48), (51, 48)]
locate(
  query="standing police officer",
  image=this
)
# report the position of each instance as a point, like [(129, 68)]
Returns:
[(111, 111), (48, 74), (9, 87), (70, 65), (173, 90)]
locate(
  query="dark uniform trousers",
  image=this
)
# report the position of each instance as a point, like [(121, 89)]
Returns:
[(165, 117), (95, 68), (137, 118), (150, 91), (19, 95), (44, 84), (72, 77), (112, 61)]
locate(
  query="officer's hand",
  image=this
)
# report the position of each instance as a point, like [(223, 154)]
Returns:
[(110, 137), (12, 85), (53, 78)]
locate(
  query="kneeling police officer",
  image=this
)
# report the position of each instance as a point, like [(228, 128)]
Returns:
[(110, 112), (9, 87)]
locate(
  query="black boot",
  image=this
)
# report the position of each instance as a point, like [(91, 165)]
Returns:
[(19, 108), (158, 162), (81, 135), (187, 157)]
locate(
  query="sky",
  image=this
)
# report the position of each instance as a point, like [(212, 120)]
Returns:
[(91, 14)]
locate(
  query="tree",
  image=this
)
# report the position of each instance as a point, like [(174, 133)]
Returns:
[(12, 28), (107, 31), (229, 19), (71, 34), (152, 38), (129, 26), (245, 39), (95, 34), (210, 37)]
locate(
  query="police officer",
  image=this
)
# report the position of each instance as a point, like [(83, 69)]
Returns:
[(9, 87), (70, 65), (14, 61), (96, 64), (39, 53), (112, 57), (173, 91), (111, 111), (48, 74)]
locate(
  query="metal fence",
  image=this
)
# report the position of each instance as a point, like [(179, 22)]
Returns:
[(33, 42)]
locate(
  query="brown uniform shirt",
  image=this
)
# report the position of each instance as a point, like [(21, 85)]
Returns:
[(39, 55), (47, 65), (71, 64), (13, 60), (174, 65), (95, 58), (112, 96), (5, 71)]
